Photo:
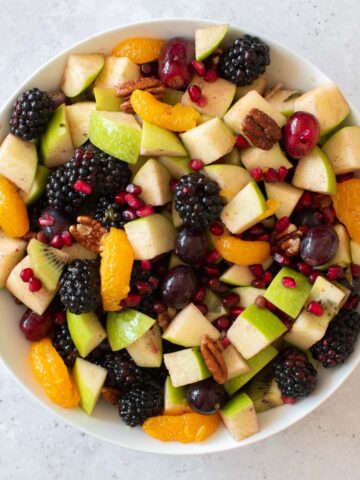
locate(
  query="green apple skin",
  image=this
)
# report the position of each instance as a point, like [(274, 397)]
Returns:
[(186, 367), (38, 187), (259, 85), (172, 97), (89, 379), (80, 72), (175, 402), (177, 166), (146, 351), (56, 144), (287, 196), (342, 149), (125, 327), (158, 142), (86, 331), (208, 39), (106, 99), (12, 251), (239, 417)]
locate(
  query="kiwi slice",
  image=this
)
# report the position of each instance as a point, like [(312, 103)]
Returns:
[(264, 392), (47, 263)]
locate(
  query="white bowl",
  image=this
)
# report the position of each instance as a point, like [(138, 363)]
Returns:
[(286, 66)]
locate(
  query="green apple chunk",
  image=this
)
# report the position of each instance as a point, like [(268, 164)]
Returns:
[(258, 85), (230, 178), (125, 327), (86, 331), (177, 166), (188, 327), (219, 96), (256, 363), (256, 157), (56, 144), (326, 103), (283, 101), (146, 351), (243, 211), (78, 116), (314, 172), (289, 300), (158, 142), (186, 367), (38, 187), (233, 158), (254, 329), (89, 379), (80, 72), (12, 251), (238, 275), (117, 70), (239, 417), (208, 39), (106, 99), (343, 254), (248, 295), (235, 363), (175, 402), (172, 97), (78, 252), (355, 252), (150, 236), (342, 149), (287, 196), (154, 179), (36, 301), (235, 116), (209, 141), (116, 133), (214, 306), (18, 161)]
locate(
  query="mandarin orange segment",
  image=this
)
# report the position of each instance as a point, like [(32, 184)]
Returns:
[(138, 49), (175, 118), (51, 372), (347, 206), (242, 252), (117, 258), (14, 219), (272, 206), (186, 428)]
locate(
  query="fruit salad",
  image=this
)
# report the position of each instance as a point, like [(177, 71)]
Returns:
[(183, 233)]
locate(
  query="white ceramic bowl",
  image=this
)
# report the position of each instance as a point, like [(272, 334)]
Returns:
[(286, 66)]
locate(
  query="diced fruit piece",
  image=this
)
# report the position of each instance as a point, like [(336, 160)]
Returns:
[(243, 210), (258, 85), (188, 327), (233, 158), (342, 149), (51, 372), (208, 39), (78, 252), (206, 397), (248, 295), (86, 331), (355, 252), (124, 328), (239, 417), (186, 428), (289, 300), (18, 161), (347, 206), (230, 178), (176, 219), (237, 113), (11, 252), (208, 141), (172, 97), (186, 367), (106, 99), (78, 116), (175, 62), (117, 70), (139, 49), (238, 275), (235, 363), (242, 252), (175, 402), (80, 72), (342, 256), (175, 118), (154, 179), (56, 144), (257, 158), (256, 363), (157, 142), (287, 196), (47, 263), (116, 133), (264, 391), (218, 94), (38, 187), (146, 351), (283, 101), (301, 134), (150, 236), (177, 166), (89, 379), (315, 173), (13, 214), (254, 329), (326, 103), (215, 308)]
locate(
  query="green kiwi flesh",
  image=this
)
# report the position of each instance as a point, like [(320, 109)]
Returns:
[(264, 392)]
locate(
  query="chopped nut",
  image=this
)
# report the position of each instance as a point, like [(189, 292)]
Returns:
[(211, 351), (164, 319), (88, 232), (150, 84), (260, 129), (111, 395), (289, 240)]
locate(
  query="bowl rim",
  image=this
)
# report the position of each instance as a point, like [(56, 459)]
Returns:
[(49, 407)]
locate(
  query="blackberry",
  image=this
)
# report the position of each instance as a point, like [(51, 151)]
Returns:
[(197, 200), (141, 402), (80, 286), (295, 375), (109, 213), (339, 340), (31, 114), (244, 61), (122, 370), (146, 306), (64, 345)]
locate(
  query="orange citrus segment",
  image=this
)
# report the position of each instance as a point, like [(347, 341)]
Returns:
[(14, 219), (117, 258), (272, 206), (51, 372), (138, 49), (186, 428), (242, 252), (175, 118), (347, 206)]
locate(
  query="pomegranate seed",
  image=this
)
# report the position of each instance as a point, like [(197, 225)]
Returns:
[(194, 92), (334, 272), (256, 174), (257, 229), (135, 189), (284, 260), (35, 284), (236, 311), (257, 270), (286, 320), (41, 237), (145, 211), (282, 223), (213, 257), (329, 215), (144, 287), (303, 229), (344, 177), (146, 265), (282, 174), (222, 323), (211, 76), (270, 175), (132, 300), (120, 198), (268, 276), (288, 400), (264, 238), (306, 200), (26, 275), (200, 294), (216, 229), (173, 184), (241, 142), (225, 342), (83, 187), (218, 287), (260, 301), (67, 239), (129, 215), (154, 282), (133, 201), (352, 303), (60, 318), (202, 307), (313, 276), (257, 283), (199, 68), (159, 307), (46, 220), (355, 270), (196, 164), (211, 270), (202, 101), (288, 282), (315, 308), (57, 242), (230, 300), (304, 268)]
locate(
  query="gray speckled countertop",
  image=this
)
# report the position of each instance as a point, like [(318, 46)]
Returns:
[(33, 443)]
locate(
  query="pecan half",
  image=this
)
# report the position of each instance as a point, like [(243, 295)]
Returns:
[(111, 395), (88, 233), (211, 350), (260, 129), (150, 84), (164, 319), (289, 240)]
